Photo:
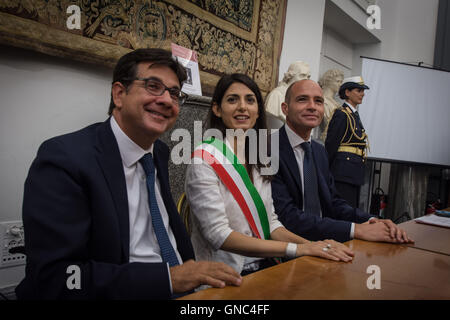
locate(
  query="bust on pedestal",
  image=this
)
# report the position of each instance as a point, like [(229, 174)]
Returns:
[(330, 82), (298, 70)]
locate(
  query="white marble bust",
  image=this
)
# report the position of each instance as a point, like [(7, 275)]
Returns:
[(330, 82), (298, 70)]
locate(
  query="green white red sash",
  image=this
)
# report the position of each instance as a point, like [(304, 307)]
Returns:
[(235, 177)]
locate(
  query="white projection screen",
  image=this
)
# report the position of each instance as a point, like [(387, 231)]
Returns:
[(406, 112)]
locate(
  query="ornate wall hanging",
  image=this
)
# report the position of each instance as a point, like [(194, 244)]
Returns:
[(229, 35)]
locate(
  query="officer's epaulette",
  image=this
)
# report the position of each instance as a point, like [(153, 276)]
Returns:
[(341, 108), (325, 132)]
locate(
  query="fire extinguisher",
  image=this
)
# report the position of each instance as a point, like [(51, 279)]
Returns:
[(378, 203), (382, 205), (433, 203), (431, 208)]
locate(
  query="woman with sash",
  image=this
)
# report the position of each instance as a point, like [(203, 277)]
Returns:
[(232, 215)]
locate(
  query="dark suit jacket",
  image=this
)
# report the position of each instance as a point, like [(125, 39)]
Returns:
[(75, 211), (337, 215), (345, 167)]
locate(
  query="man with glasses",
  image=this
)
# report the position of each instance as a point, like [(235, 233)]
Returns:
[(99, 218)]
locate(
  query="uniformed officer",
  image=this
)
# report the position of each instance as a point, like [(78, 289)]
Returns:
[(346, 141)]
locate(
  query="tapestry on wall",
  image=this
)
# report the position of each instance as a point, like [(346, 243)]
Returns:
[(229, 35)]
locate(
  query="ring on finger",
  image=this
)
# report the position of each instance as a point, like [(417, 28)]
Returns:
[(328, 246), (325, 248)]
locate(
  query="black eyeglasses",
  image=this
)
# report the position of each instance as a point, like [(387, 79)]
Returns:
[(157, 88)]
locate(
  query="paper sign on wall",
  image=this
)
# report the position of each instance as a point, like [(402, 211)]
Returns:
[(189, 59)]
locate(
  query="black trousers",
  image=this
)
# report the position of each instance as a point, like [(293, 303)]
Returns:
[(263, 264), (348, 192)]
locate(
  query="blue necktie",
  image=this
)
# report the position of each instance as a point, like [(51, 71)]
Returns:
[(311, 192), (167, 252)]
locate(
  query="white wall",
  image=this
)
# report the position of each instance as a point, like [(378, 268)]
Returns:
[(408, 31), (303, 35), (357, 13), (336, 53)]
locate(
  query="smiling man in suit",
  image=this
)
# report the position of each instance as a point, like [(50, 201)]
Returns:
[(97, 202), (303, 190)]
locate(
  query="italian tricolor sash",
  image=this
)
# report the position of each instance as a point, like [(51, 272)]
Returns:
[(235, 177)]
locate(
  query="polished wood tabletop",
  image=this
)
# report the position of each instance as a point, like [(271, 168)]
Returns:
[(427, 237), (406, 272)]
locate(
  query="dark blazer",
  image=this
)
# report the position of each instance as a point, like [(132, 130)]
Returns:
[(345, 167), (337, 215), (75, 211)]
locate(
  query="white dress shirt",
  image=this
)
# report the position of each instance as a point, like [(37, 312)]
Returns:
[(215, 214), (295, 140), (144, 246), (351, 107)]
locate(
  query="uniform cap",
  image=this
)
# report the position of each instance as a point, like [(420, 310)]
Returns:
[(351, 83)]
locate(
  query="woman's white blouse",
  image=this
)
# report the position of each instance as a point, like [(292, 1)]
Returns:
[(215, 213)]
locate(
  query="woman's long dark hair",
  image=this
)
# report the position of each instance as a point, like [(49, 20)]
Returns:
[(214, 122)]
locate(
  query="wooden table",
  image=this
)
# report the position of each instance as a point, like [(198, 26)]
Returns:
[(406, 272), (426, 237)]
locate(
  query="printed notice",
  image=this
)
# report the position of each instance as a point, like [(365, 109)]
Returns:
[(434, 220), (189, 59)]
